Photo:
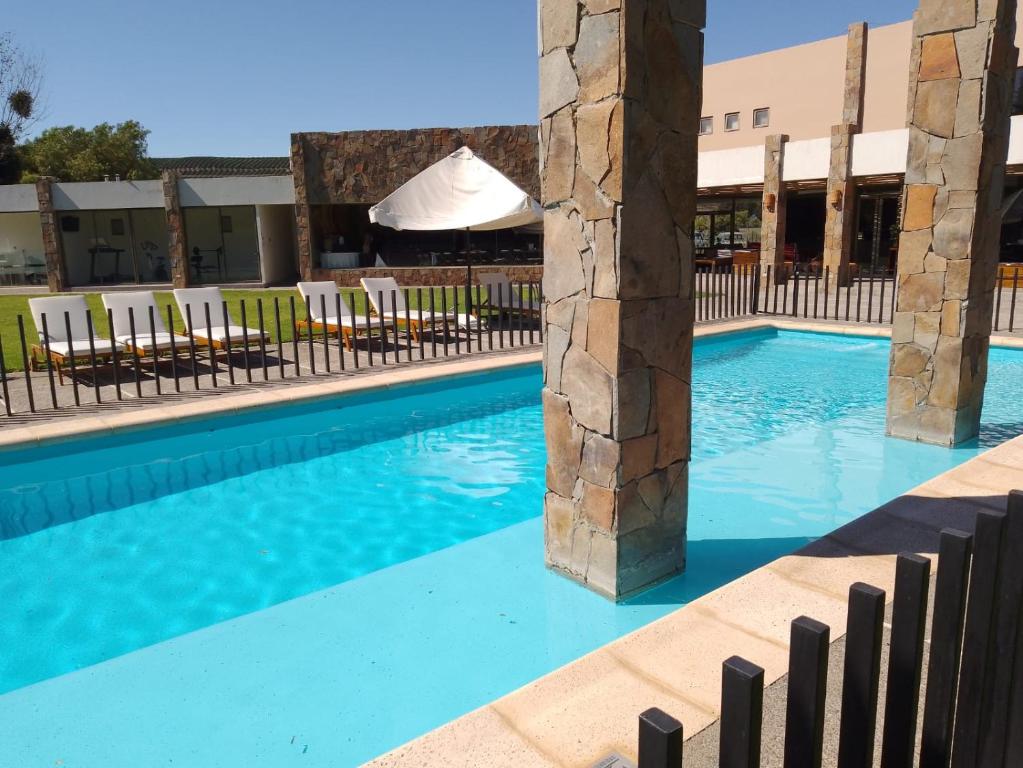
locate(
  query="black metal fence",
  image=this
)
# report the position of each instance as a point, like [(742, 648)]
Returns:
[(272, 341), (866, 297), (972, 709)]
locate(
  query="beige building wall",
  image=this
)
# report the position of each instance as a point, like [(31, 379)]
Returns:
[(803, 87)]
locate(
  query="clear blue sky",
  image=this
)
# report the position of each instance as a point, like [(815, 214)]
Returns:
[(238, 76)]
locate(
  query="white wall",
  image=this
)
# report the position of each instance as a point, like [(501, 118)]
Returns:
[(880, 153), (277, 245), (726, 167), (21, 238), (238, 190), (107, 195), (806, 160)]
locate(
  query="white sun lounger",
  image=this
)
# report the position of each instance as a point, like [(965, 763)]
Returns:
[(324, 296), (60, 312), (150, 338), (388, 300), (501, 292), (192, 303)]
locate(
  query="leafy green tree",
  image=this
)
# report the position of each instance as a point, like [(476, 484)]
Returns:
[(69, 153), (20, 83)]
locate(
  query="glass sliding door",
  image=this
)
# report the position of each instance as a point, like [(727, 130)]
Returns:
[(115, 247), (222, 244)]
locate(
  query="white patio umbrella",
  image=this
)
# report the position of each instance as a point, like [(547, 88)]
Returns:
[(459, 192)]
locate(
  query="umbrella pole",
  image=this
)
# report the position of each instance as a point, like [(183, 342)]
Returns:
[(468, 275)]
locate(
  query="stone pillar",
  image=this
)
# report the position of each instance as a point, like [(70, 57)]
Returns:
[(620, 94), (176, 245), (960, 102), (772, 232), (56, 270), (303, 234), (841, 195)]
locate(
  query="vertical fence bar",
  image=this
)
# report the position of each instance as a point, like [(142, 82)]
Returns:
[(870, 297), (115, 368), (326, 331), (742, 712), (27, 366), (209, 336), (90, 329), (340, 329), (859, 297), (262, 341), (309, 331), (280, 337), (700, 295), (355, 329), (227, 339), (827, 281), (383, 326), (173, 349), (191, 345), (756, 288), (1009, 592), (848, 297), (500, 314), (3, 379), (395, 326), (790, 279), (245, 344), (946, 646), (490, 319), (521, 317), (71, 355), (880, 301), (861, 676), (807, 689), (49, 361), (433, 324), (795, 292), (895, 295), (134, 351), (806, 295), (998, 301), (660, 740), (294, 335), (458, 335), (408, 326), (816, 293), (419, 327), (1012, 304), (444, 310), (976, 657), (156, 356), (909, 617), (369, 333)]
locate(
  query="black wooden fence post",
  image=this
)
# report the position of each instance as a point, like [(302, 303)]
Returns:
[(860, 677), (909, 616), (807, 691), (742, 710), (660, 740)]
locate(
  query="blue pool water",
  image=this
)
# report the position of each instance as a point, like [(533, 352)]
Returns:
[(340, 559)]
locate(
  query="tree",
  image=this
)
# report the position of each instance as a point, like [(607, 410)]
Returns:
[(20, 83), (69, 153)]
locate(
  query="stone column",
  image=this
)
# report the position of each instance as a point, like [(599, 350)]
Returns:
[(841, 195), (56, 270), (960, 102), (176, 245), (303, 234), (620, 94), (772, 232)]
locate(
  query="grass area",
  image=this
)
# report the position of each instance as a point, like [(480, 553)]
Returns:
[(13, 305)]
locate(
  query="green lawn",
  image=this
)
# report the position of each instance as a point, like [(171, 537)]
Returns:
[(13, 305)]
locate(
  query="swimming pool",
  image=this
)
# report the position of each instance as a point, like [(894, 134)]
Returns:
[(324, 582)]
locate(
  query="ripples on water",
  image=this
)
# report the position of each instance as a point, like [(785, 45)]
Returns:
[(122, 546)]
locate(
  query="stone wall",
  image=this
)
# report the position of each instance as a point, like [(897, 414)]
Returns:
[(774, 209), (366, 166), (56, 272), (840, 219), (961, 84), (176, 249), (428, 276), (620, 93)]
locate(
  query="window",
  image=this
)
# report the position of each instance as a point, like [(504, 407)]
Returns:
[(762, 117), (732, 121), (706, 126)]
